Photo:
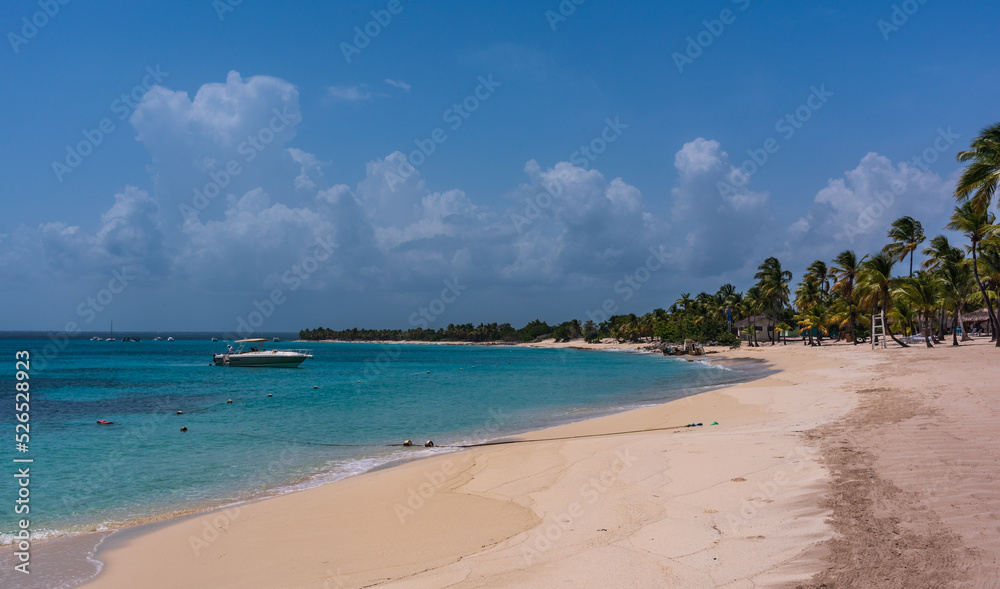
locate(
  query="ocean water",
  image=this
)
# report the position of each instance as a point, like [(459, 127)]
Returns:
[(336, 415)]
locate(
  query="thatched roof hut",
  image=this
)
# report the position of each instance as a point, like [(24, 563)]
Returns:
[(979, 316), (758, 320)]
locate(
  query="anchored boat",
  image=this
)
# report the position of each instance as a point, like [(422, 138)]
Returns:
[(259, 357)]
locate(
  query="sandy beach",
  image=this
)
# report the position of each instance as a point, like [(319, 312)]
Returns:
[(847, 468)]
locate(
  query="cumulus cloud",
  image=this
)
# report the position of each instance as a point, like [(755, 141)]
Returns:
[(573, 222), (721, 217), (129, 234), (226, 140), (392, 238), (855, 210)]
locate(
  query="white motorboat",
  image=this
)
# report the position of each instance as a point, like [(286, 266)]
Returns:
[(259, 357)]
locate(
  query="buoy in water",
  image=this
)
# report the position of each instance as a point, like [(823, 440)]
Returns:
[(180, 413), (315, 387), (407, 443), (229, 401), (184, 429), (428, 444), (270, 395)]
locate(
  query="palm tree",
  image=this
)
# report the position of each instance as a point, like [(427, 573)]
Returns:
[(784, 328), (818, 317), (940, 254), (684, 302), (876, 278), (923, 292), (773, 282), (818, 272), (753, 304), (808, 297), (959, 287), (845, 271), (977, 225), (978, 182), (906, 234)]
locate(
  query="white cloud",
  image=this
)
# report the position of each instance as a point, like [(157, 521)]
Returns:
[(855, 211), (242, 123), (398, 84), (350, 93), (719, 220)]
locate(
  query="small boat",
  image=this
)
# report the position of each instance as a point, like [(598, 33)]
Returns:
[(258, 357), (215, 339), (104, 422), (157, 339), (170, 338)]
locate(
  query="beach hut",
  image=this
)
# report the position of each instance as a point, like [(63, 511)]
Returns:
[(977, 322), (759, 321)]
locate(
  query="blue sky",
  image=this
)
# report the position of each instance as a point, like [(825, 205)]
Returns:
[(507, 204)]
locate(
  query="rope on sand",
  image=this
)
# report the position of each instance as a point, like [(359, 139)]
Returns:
[(480, 445), (637, 431)]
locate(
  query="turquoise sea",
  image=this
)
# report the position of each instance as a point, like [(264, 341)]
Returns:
[(336, 415)]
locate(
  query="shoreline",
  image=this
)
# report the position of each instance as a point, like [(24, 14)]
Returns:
[(56, 548), (466, 484), (808, 468)]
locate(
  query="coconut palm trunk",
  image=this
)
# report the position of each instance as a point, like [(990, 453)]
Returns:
[(888, 330), (986, 296), (954, 327), (851, 314)]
